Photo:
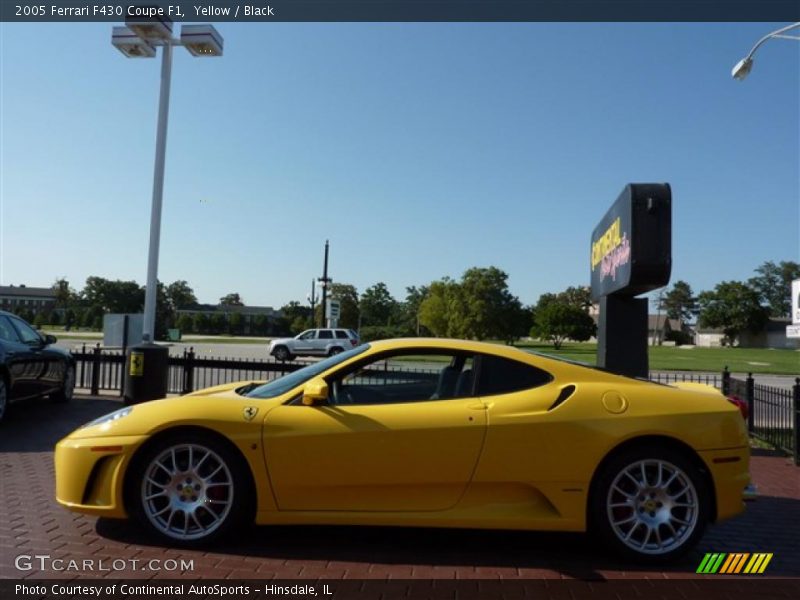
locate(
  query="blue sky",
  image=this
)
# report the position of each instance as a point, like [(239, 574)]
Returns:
[(419, 150)]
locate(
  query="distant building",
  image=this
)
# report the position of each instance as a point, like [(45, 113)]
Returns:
[(772, 335), (16, 298)]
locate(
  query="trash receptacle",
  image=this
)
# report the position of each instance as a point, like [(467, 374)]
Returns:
[(146, 373), (174, 335)]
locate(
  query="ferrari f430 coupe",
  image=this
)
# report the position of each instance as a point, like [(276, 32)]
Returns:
[(431, 433)]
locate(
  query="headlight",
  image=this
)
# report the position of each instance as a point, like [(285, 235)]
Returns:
[(110, 417)]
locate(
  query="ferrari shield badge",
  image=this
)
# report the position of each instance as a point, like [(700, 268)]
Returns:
[(249, 412)]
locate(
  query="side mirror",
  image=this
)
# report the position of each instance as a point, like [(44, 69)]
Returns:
[(50, 339), (315, 392)]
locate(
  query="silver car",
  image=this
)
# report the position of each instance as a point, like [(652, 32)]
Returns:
[(314, 342)]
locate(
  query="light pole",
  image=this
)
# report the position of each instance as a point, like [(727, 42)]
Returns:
[(743, 67), (147, 365), (139, 39)]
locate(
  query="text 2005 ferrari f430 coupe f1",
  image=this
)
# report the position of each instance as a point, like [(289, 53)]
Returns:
[(431, 433)]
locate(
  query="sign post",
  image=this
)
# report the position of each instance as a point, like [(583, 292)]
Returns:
[(631, 253), (793, 330)]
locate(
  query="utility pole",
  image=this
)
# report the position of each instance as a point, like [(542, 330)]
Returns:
[(325, 281), (312, 298)]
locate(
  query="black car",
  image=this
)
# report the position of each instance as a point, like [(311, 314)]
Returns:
[(29, 367)]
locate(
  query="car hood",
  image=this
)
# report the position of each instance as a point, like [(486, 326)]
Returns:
[(218, 408)]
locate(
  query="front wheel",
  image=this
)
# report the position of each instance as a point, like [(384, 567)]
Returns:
[(282, 353), (650, 505), (189, 490), (68, 387)]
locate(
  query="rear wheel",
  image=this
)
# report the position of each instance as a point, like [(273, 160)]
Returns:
[(650, 504), (189, 490), (334, 351)]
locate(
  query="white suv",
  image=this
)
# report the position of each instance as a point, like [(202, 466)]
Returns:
[(314, 342)]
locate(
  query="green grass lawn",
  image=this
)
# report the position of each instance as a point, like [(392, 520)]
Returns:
[(690, 358)]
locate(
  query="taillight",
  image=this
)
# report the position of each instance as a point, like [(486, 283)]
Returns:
[(741, 405), (354, 342)]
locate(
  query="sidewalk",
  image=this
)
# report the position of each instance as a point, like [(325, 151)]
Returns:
[(32, 523)]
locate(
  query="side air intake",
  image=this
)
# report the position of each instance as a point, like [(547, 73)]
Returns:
[(565, 393)]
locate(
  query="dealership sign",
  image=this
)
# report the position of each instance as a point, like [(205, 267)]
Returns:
[(631, 249)]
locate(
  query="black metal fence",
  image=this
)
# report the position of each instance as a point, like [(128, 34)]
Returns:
[(99, 369), (774, 413)]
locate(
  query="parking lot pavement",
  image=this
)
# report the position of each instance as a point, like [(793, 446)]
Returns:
[(31, 523)]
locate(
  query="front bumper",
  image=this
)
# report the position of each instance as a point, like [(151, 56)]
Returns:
[(750, 493), (90, 473)]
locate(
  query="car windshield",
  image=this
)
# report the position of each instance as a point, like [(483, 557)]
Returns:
[(279, 386)]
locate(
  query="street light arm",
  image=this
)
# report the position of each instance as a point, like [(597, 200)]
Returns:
[(775, 34)]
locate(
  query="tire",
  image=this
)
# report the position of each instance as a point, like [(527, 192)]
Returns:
[(334, 351), (67, 389), (3, 397), (649, 504), (189, 489), (282, 353)]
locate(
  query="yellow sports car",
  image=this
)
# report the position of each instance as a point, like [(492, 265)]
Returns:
[(422, 432)]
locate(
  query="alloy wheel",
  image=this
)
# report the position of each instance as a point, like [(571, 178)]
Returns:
[(187, 492), (652, 506)]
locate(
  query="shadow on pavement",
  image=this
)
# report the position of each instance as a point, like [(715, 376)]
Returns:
[(36, 425), (572, 555)]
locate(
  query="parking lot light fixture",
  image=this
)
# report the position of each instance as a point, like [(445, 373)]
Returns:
[(743, 67), (139, 39)]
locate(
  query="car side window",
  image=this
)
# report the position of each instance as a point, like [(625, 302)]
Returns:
[(341, 335), (308, 335), (406, 377), (325, 334), (27, 334), (7, 332), (503, 376)]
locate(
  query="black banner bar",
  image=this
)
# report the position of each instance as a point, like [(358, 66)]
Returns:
[(34, 11), (402, 589)]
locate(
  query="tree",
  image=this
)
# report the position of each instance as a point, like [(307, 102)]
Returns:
[(200, 323), (113, 296), (580, 297), (435, 310), (185, 323), (295, 317), (774, 286), (679, 302), (235, 323), (734, 307), (180, 295), (408, 311), (557, 318), (480, 306), (378, 306), (65, 295), (231, 300)]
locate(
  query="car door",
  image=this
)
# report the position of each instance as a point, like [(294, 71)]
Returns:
[(304, 343), (323, 341), (22, 361), (390, 439)]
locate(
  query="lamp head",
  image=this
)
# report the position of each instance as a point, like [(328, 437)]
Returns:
[(742, 69), (131, 45), (201, 40)]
